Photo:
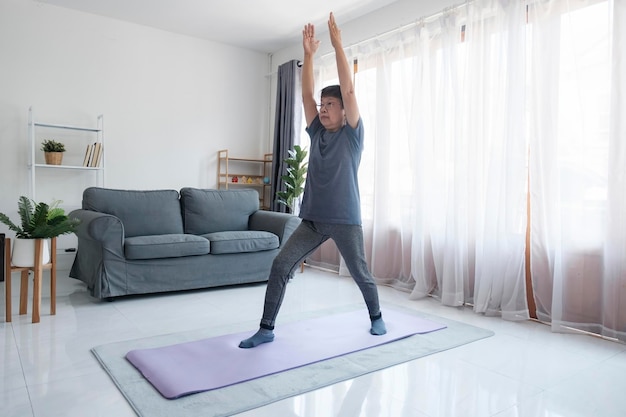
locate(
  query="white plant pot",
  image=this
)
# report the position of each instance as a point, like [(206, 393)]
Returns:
[(24, 252)]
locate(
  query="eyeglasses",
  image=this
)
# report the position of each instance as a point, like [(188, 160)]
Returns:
[(328, 106)]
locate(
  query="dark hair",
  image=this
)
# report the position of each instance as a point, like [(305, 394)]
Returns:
[(332, 91)]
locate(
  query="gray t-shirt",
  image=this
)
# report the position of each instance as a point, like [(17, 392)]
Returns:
[(331, 192)]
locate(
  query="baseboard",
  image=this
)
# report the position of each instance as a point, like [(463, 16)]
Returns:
[(65, 260)]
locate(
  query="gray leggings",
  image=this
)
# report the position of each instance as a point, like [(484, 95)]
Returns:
[(304, 240)]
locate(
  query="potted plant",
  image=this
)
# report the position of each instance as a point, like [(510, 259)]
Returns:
[(37, 221), (295, 178), (53, 151)]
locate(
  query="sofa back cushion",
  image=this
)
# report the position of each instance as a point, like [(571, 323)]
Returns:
[(143, 213), (207, 211)]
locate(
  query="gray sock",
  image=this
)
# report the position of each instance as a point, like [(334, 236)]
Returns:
[(262, 336), (378, 327)]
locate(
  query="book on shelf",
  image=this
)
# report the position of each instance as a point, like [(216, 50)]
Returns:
[(97, 154), (93, 155), (88, 153)]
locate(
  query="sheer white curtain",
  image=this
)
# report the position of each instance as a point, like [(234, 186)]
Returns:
[(458, 109), (578, 164), (469, 157), (443, 176)]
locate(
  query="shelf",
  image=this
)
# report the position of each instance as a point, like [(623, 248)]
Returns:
[(41, 173), (249, 184), (232, 174), (79, 167), (54, 126), (255, 168), (248, 159)]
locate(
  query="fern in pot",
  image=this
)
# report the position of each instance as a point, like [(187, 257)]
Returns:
[(37, 221)]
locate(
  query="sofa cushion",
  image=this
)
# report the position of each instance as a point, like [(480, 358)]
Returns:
[(150, 212), (165, 246), (241, 241), (207, 211)]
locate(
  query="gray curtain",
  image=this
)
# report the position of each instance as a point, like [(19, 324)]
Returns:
[(287, 125)]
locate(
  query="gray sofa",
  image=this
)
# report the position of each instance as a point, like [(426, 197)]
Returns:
[(137, 242)]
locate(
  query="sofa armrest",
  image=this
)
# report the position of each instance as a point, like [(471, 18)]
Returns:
[(100, 229), (100, 253), (281, 224)]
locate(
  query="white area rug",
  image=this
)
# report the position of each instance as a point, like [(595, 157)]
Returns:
[(233, 399)]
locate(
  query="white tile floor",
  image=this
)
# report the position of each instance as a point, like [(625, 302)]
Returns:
[(523, 371)]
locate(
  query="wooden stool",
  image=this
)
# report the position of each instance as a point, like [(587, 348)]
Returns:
[(38, 273)]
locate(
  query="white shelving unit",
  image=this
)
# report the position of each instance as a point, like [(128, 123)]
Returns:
[(86, 135), (67, 181)]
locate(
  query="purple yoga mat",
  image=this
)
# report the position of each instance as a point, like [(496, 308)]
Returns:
[(208, 364)]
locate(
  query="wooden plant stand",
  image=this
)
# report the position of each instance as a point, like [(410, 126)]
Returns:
[(38, 273)]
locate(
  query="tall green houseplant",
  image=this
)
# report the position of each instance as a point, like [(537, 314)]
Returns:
[(295, 178)]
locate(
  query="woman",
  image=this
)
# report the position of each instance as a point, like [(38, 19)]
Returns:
[(331, 207)]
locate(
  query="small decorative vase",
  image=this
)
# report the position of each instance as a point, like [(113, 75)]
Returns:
[(24, 252), (53, 158)]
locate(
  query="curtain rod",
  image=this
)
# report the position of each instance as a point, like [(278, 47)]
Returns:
[(298, 63), (398, 29), (403, 27)]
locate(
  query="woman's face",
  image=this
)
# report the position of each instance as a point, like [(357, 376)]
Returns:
[(332, 115)]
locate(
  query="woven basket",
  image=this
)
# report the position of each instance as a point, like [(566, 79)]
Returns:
[(53, 158)]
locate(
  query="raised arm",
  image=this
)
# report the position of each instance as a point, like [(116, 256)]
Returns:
[(310, 45), (350, 104)]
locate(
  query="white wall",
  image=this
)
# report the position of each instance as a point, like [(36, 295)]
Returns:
[(170, 102)]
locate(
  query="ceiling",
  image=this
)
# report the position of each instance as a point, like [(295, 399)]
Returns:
[(261, 25)]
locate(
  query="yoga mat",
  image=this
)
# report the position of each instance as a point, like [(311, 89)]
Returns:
[(207, 364), (238, 398)]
